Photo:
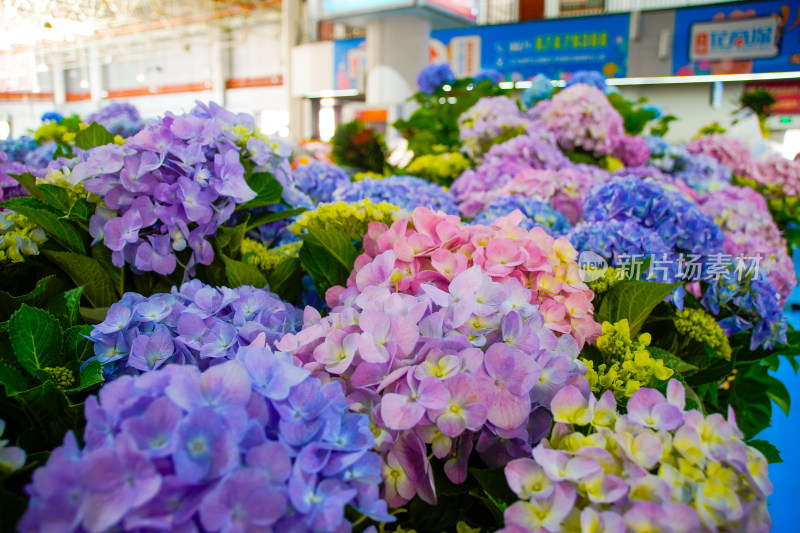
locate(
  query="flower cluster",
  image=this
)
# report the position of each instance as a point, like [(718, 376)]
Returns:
[(434, 76), (318, 180), (564, 189), (196, 324), (492, 120), (166, 190), (729, 151), (541, 89), (617, 240), (626, 364), (254, 444), (631, 151), (433, 248), (119, 118), (439, 168), (11, 457), (582, 118), (750, 231), (18, 237), (494, 76), (9, 187), (406, 192), (592, 78), (17, 149), (701, 172), (255, 253), (779, 172), (536, 213), (467, 366), (656, 468), (41, 156), (700, 326), (352, 219), (535, 150)]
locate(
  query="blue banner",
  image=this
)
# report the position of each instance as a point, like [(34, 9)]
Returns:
[(551, 47), (737, 39)]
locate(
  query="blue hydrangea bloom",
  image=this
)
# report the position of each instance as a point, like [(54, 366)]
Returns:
[(408, 192), (319, 180), (495, 76), (699, 171), (18, 148), (537, 213), (541, 89), (588, 77), (434, 76), (52, 116)]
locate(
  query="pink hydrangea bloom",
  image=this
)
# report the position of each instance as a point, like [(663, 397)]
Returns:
[(778, 171), (749, 230), (727, 150), (545, 265)]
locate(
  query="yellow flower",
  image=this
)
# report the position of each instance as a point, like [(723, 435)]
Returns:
[(352, 219), (257, 254)]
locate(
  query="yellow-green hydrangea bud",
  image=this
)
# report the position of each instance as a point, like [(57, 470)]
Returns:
[(439, 168), (360, 176), (699, 325), (258, 255), (64, 377), (604, 282), (352, 219)]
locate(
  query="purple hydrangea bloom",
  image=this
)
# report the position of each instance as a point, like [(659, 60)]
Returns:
[(196, 324), (120, 118), (41, 156), (432, 77), (407, 192), (699, 171), (220, 450), (492, 120), (536, 213), (9, 187)]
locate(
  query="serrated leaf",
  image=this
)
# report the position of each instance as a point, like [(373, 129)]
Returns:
[(49, 220), (98, 286), (634, 300), (93, 135), (37, 297), (91, 374), (13, 379), (37, 339), (672, 361), (337, 244), (65, 307), (267, 188), (259, 219), (324, 270), (231, 237), (239, 273), (28, 181), (55, 196), (286, 280), (768, 449), (81, 210), (76, 346), (711, 366)]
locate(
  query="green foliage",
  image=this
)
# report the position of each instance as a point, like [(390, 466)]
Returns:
[(634, 300), (328, 257), (635, 118), (93, 135), (357, 146)]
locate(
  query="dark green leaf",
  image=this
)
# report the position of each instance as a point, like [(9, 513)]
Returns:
[(268, 190), (93, 315), (91, 374), (494, 484), (335, 243), (13, 378), (286, 280), (634, 300), (239, 273), (51, 416), (98, 286), (65, 307), (768, 449), (55, 196), (231, 238), (49, 219), (672, 361), (259, 219), (711, 366), (81, 210), (44, 290), (324, 270), (93, 135), (28, 181), (76, 345), (37, 339)]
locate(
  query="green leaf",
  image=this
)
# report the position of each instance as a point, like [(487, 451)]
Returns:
[(337, 244), (37, 297), (93, 315), (323, 268), (81, 210), (259, 219), (13, 378), (55, 196), (98, 286), (37, 339), (49, 219), (286, 280), (231, 238), (494, 484), (76, 345), (93, 135), (779, 394), (28, 181), (240, 273), (672, 361), (633, 300), (768, 449), (711, 366), (268, 190), (51, 416), (65, 307), (91, 374)]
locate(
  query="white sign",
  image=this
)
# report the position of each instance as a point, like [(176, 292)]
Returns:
[(751, 38)]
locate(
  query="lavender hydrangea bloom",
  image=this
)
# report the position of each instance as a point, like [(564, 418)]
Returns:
[(41, 156), (699, 171), (319, 180), (536, 213), (119, 118), (492, 120), (407, 192), (432, 77), (220, 450), (196, 324), (9, 187), (592, 78), (541, 89)]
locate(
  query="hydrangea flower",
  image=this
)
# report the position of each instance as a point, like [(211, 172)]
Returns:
[(11, 457), (18, 237), (352, 219), (536, 213), (432, 248), (592, 78), (253, 444), (699, 171), (17, 148), (41, 156), (563, 189), (462, 368), (750, 231), (729, 151), (9, 187), (495, 76), (541, 89), (119, 118), (318, 180), (52, 116), (656, 468), (582, 118), (406, 192), (492, 120), (434, 76), (441, 169), (777, 171), (536, 149), (197, 324)]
